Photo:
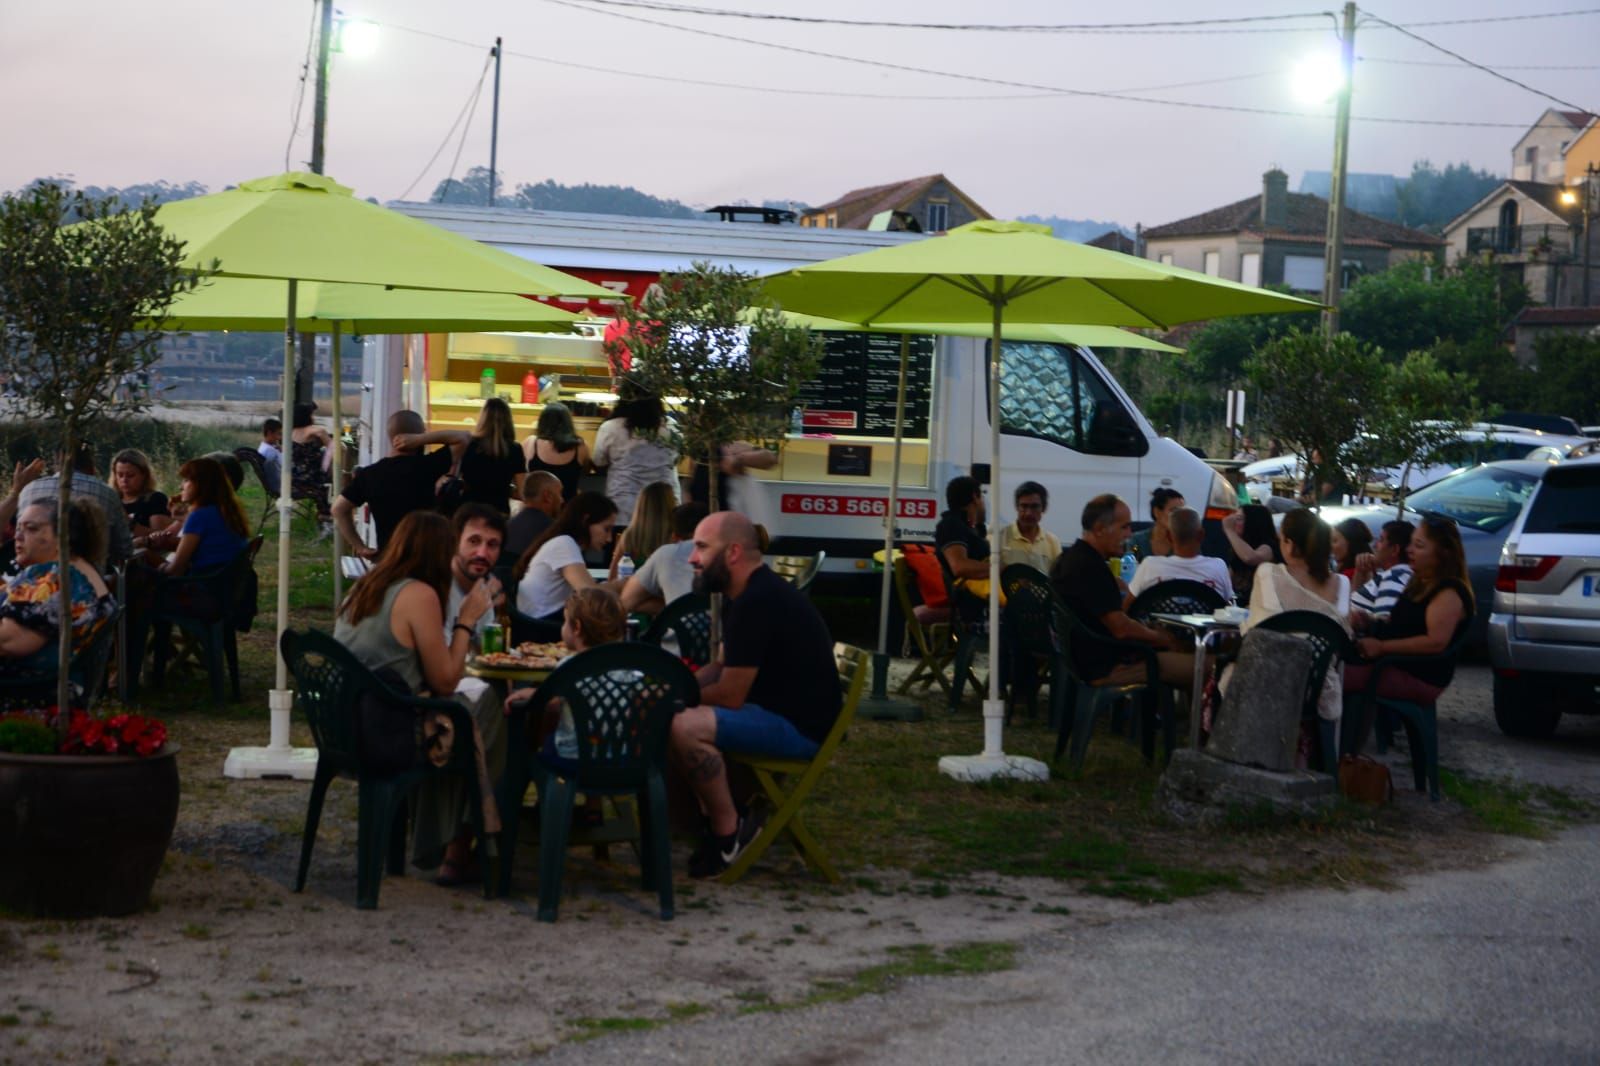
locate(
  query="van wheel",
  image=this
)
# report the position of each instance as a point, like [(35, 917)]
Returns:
[(1524, 708)]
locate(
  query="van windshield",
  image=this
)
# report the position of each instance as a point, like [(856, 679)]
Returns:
[(1051, 392)]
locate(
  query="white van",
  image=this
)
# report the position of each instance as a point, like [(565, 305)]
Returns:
[(1066, 423)]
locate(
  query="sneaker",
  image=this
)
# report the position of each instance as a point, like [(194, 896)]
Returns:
[(716, 853)]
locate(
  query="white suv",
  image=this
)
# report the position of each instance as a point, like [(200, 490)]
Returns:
[(1544, 632)]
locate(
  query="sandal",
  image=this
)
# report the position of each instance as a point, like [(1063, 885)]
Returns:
[(453, 874)]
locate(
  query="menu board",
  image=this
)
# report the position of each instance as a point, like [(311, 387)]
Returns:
[(853, 393)]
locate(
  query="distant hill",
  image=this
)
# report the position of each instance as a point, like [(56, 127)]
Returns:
[(1076, 229)]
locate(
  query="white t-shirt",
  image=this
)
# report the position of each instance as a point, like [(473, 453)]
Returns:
[(632, 464), (667, 572), (543, 589), (452, 611), (1206, 569)]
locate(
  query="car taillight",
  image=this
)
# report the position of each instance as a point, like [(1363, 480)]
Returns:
[(1523, 568)]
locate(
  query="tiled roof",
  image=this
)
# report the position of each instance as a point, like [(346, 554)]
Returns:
[(857, 207), (1559, 316), (1306, 217), (1548, 196), (1578, 119), (1114, 240)]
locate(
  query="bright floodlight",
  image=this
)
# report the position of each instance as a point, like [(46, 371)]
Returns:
[(1569, 197), (358, 38), (1318, 78)]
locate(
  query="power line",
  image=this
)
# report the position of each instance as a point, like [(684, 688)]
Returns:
[(1472, 63), (462, 143), (1500, 18), (451, 131), (1078, 27), (300, 97), (1456, 66)]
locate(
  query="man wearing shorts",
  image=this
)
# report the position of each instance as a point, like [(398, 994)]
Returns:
[(775, 691)]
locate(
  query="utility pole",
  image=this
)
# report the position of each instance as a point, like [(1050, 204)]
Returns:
[(494, 123), (1590, 193), (305, 369), (1333, 261)]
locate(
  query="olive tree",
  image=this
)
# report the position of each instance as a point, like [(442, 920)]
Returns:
[(83, 284)]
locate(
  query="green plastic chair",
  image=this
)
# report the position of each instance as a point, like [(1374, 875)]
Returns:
[(787, 782), (329, 684), (623, 698), (1179, 596), (86, 671), (1089, 700), (214, 625), (1331, 645), (1421, 721), (688, 620), (1025, 632)]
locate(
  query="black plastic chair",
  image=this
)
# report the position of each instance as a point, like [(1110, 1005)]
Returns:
[(329, 686), (688, 620), (1091, 698), (969, 628), (1179, 596), (1025, 633), (86, 673), (212, 608), (1332, 644), (1421, 721), (622, 698), (526, 628), (305, 502)]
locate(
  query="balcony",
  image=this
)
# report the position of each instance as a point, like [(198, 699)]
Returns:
[(1552, 243)]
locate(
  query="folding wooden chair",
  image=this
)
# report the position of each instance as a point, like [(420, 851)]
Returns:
[(801, 775), (931, 639)]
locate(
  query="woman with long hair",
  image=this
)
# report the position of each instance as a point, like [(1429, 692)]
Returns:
[(1432, 613), (215, 529), (553, 567), (1254, 540), (1351, 538), (489, 461), (393, 618), (135, 481), (628, 448), (650, 528), (309, 465), (556, 447)]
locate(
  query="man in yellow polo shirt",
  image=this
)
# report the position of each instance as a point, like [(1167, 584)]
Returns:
[(1025, 541)]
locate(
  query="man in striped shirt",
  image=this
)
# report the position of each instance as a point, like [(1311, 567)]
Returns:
[(1382, 574)]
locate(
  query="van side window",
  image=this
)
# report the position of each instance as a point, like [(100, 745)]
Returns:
[(1050, 392)]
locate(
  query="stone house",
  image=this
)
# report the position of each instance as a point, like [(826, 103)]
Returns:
[(931, 204), (1537, 155), (1279, 237), (1534, 322), (1530, 232)]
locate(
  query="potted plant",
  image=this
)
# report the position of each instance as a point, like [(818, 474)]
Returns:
[(84, 284)]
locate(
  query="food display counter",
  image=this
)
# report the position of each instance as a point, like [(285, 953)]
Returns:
[(524, 369)]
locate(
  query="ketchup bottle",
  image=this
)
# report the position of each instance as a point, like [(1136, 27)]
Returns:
[(530, 387)]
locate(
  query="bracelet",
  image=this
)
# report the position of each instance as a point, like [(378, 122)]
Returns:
[(462, 626)]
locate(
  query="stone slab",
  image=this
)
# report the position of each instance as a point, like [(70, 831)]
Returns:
[(1200, 789)]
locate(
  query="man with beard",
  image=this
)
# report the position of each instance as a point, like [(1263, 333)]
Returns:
[(775, 691), (480, 530)]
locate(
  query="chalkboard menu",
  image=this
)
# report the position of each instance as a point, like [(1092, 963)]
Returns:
[(854, 391)]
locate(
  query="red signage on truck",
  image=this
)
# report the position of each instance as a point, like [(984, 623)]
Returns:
[(865, 506)]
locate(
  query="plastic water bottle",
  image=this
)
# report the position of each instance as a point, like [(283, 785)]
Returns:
[(1129, 565), (625, 567), (797, 424)]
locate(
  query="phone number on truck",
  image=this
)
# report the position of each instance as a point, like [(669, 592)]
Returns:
[(867, 506)]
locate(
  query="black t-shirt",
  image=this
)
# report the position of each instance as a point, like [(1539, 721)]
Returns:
[(1084, 582), (953, 529), (140, 511), (396, 486), (488, 480), (523, 529), (774, 628)]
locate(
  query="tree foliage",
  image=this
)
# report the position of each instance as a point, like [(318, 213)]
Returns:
[(730, 360), (600, 200), (1316, 393), (1219, 349), (473, 189), (1416, 304), (79, 277), (1567, 380), (1432, 197), (1420, 407), (128, 197)]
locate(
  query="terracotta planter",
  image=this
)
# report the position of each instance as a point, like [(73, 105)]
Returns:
[(84, 835)]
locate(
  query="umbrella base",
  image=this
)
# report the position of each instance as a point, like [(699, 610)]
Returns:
[(299, 764), (972, 768)]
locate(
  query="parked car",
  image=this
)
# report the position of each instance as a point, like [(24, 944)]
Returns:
[(1484, 501), (1544, 631)]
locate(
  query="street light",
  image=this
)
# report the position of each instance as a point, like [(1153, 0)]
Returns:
[(356, 38), (1317, 79)]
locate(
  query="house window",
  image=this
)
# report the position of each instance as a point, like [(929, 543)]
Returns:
[(1213, 263), (833, 220), (1166, 258), (938, 218), (1530, 155), (1250, 268), (1303, 273)]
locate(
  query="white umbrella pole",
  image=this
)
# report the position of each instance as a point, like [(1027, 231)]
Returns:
[(878, 705), (278, 759), (994, 762), (338, 460)]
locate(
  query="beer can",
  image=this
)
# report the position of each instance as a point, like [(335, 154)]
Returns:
[(494, 638)]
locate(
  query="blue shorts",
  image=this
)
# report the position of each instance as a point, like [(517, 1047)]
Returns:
[(753, 730)]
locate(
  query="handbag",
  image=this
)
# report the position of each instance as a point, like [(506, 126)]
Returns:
[(1365, 780), (451, 491), (393, 736)]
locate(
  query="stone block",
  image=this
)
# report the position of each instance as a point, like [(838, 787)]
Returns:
[(1200, 789)]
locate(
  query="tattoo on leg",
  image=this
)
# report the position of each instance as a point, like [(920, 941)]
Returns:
[(702, 766)]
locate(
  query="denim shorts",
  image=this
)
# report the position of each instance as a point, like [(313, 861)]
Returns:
[(753, 730)]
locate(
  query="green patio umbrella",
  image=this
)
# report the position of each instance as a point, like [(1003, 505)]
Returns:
[(299, 227), (1009, 273)]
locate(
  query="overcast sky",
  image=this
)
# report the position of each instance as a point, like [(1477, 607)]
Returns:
[(112, 93)]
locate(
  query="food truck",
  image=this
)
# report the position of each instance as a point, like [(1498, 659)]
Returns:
[(1067, 423)]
